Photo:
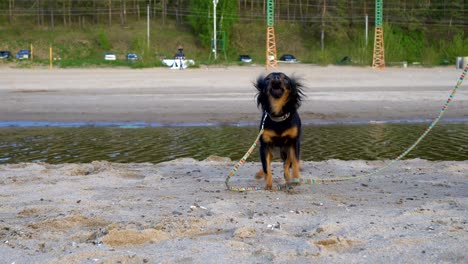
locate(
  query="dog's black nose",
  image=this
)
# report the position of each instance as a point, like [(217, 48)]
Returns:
[(275, 76)]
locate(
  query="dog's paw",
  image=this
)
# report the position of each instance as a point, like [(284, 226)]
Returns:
[(260, 174)]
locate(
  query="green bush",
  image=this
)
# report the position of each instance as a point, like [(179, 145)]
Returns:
[(103, 41), (458, 47)]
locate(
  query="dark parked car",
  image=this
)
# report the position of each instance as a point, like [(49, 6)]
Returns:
[(23, 54), (245, 58), (288, 58), (132, 57), (345, 60), (4, 54)]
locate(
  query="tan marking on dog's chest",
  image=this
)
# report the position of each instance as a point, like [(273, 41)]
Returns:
[(278, 104), (290, 132), (269, 135)]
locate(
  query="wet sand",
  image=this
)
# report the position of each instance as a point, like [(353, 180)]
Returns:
[(180, 211)]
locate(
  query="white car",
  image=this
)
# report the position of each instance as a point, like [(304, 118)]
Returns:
[(110, 56), (178, 64), (245, 58)]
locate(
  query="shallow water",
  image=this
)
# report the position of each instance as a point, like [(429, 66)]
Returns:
[(447, 141)]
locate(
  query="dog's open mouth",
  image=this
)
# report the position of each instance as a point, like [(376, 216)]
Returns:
[(276, 89)]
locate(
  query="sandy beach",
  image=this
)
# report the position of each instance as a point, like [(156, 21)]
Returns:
[(224, 94), (180, 211)]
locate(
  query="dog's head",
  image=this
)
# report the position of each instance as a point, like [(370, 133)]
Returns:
[(278, 94)]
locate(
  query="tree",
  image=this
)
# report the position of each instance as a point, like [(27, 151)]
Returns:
[(201, 18)]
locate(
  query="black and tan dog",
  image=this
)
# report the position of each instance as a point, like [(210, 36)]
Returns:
[(279, 96)]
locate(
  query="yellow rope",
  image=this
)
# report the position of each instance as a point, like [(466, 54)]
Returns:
[(317, 181)]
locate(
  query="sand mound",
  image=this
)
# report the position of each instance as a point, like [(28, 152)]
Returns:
[(134, 237)]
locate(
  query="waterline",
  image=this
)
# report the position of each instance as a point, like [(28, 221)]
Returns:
[(26, 124)]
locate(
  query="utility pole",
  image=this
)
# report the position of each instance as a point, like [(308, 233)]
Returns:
[(271, 62), (367, 24), (367, 29), (378, 61), (322, 35), (215, 3), (148, 25)]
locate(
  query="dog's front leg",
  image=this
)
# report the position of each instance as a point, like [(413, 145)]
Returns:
[(286, 163), (294, 157), (266, 156), (269, 176), (261, 173)]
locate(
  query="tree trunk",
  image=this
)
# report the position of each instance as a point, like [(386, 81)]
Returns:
[(52, 18), (264, 8), (121, 14), (125, 11), (38, 3), (96, 13), (277, 7), (251, 9), (11, 5), (177, 12), (69, 12), (138, 11), (110, 12), (164, 11), (42, 13), (301, 13), (294, 12), (64, 13)]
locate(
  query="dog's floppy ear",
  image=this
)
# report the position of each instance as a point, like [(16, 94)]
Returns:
[(262, 97), (297, 94)]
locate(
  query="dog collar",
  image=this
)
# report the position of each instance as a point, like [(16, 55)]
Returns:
[(279, 118)]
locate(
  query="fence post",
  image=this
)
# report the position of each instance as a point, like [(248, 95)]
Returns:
[(32, 53), (50, 52)]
